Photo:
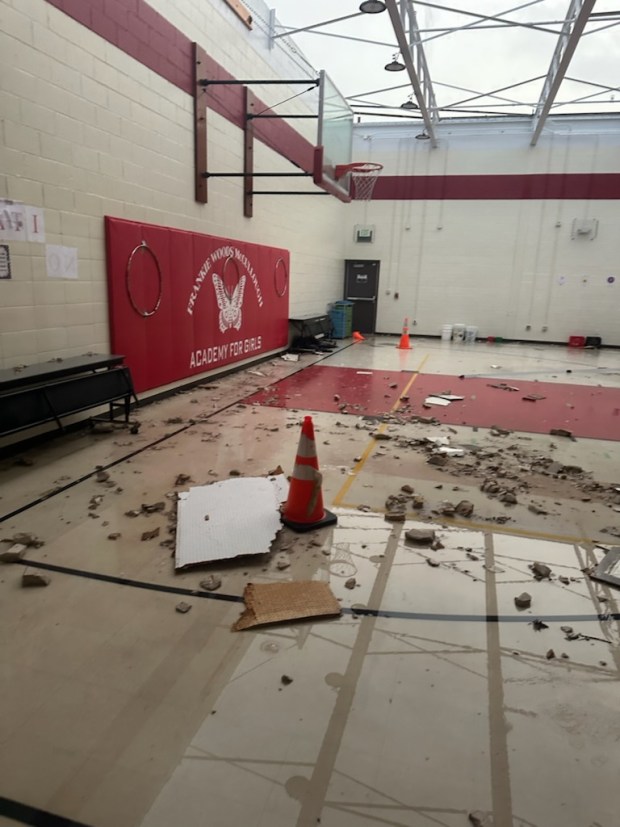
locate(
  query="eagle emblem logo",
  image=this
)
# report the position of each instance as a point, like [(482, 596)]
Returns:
[(230, 306)]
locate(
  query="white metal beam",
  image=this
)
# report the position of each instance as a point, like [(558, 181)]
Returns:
[(576, 19), (412, 53)]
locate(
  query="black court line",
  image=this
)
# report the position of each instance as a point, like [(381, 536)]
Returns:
[(25, 814), (359, 611), (125, 581), (125, 457)]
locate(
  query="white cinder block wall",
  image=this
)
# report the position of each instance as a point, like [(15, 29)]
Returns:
[(87, 131), (509, 267)]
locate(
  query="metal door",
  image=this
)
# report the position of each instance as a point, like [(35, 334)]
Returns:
[(361, 286)]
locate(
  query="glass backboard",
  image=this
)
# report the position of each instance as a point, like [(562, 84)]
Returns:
[(334, 139)]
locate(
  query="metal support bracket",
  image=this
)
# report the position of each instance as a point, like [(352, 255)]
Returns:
[(200, 125)]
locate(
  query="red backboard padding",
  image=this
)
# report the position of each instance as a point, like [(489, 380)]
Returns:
[(183, 303)]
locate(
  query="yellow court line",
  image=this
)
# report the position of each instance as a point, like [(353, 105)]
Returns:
[(337, 501), (486, 528)]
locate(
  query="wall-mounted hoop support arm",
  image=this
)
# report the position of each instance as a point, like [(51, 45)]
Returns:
[(207, 82), (255, 117), (257, 174), (253, 110)]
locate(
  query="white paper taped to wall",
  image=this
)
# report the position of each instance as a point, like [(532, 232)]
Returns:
[(61, 262)]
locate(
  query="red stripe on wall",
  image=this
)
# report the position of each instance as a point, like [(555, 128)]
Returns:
[(494, 187), (139, 31)]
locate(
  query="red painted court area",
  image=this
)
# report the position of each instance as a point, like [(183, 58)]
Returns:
[(585, 410)]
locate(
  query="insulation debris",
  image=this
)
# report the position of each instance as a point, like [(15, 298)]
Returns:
[(276, 602), (437, 400), (244, 517)]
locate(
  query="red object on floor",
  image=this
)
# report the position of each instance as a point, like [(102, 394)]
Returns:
[(576, 341), (404, 339), (304, 509), (585, 410)]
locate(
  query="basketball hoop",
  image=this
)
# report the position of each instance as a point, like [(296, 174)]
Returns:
[(364, 175)]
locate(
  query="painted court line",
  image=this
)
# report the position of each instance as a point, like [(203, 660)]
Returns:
[(337, 501)]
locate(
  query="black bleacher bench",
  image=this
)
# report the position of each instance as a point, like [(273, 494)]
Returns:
[(48, 391), (312, 333)]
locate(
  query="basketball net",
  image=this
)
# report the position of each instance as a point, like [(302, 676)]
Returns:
[(364, 176)]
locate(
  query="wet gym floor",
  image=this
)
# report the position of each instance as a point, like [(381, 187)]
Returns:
[(431, 698)]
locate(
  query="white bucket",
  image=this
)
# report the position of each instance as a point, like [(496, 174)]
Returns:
[(458, 332), (471, 333), (446, 333)]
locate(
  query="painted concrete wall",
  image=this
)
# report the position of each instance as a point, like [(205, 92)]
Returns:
[(510, 266), (87, 131)]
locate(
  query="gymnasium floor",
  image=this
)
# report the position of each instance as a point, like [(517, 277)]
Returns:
[(430, 698)]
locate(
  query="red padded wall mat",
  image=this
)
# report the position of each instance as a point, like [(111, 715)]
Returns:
[(182, 303)]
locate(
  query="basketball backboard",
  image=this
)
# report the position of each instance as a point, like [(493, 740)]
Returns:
[(334, 139)]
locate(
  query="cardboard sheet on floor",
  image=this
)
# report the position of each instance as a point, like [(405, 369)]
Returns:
[(228, 519), (277, 602)]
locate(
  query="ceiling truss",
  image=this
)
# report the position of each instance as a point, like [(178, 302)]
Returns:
[(409, 44), (576, 19)]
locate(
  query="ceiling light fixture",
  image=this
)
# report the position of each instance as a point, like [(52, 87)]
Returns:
[(395, 65), (372, 6), (409, 104)]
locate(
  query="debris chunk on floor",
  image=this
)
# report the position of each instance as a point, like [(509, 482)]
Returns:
[(479, 818), (277, 602), (153, 508), (150, 535), (540, 571), (211, 583), (523, 601), (244, 518), (182, 608), (28, 540), (286, 680), (562, 432), (33, 580), (350, 583), (13, 554), (421, 536), (465, 508)]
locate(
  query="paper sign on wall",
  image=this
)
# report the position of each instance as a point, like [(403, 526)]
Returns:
[(35, 224), (12, 221), (5, 262), (61, 262)]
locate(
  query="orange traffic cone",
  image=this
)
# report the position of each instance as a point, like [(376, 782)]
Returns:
[(304, 507), (357, 337), (404, 339)]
